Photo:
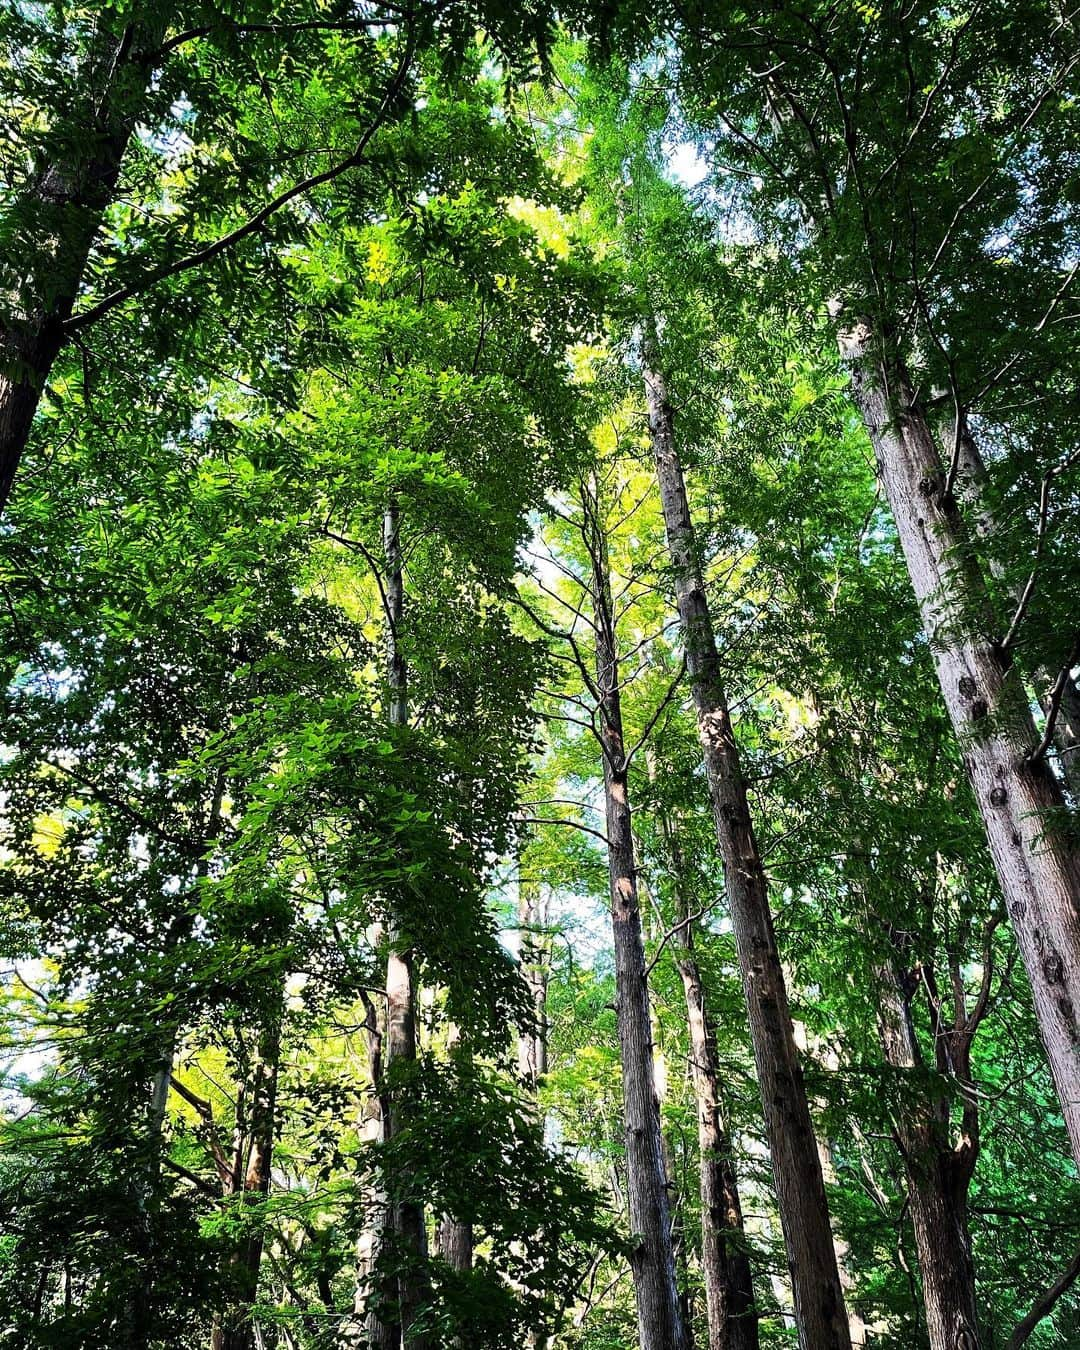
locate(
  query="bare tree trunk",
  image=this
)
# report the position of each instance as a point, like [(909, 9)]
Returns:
[(1020, 800), (377, 1334), (253, 1183), (454, 1236), (535, 958), (730, 1310), (534, 916), (407, 1212), (455, 1241), (971, 491), (61, 210), (652, 1261), (800, 1188), (938, 1174)]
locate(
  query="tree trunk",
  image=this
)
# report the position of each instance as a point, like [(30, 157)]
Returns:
[(800, 1188), (725, 1266), (454, 1236), (62, 207), (368, 1328), (407, 1212), (938, 1175), (652, 1260), (971, 491), (455, 1242), (535, 957), (247, 1176), (1020, 800), (730, 1310), (534, 905)]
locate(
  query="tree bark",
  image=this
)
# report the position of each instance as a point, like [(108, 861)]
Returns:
[(1020, 800), (454, 1236), (455, 1242), (652, 1260), (971, 491), (731, 1313), (406, 1212), (938, 1174), (535, 960), (63, 205), (369, 1329), (800, 1188), (250, 1180)]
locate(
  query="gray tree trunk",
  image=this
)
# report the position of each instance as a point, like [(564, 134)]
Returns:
[(652, 1260), (1020, 800), (971, 491), (535, 959), (800, 1188)]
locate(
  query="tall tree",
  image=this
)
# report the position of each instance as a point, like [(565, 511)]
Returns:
[(800, 1186)]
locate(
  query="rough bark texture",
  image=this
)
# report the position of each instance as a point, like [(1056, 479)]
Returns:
[(1020, 800), (938, 1170), (725, 1266), (652, 1261), (60, 212), (971, 491), (535, 958), (455, 1242), (800, 1188), (454, 1236), (731, 1313)]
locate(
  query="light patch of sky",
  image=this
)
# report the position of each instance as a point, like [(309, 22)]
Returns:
[(685, 163)]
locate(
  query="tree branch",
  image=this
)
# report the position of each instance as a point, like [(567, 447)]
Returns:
[(255, 222), (1044, 1304), (1056, 695)]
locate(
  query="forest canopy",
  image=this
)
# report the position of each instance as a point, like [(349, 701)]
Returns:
[(540, 638)]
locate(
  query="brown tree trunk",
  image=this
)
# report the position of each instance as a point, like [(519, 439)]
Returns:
[(800, 1188), (61, 210), (455, 1243), (652, 1260), (725, 1266), (938, 1174), (971, 491), (731, 1313), (249, 1178), (1020, 800)]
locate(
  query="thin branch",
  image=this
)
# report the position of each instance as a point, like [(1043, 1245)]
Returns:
[(1044, 1304), (574, 825), (658, 712), (373, 563), (275, 29), (1029, 586), (1056, 695), (199, 1182), (255, 222), (683, 923), (982, 999)]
